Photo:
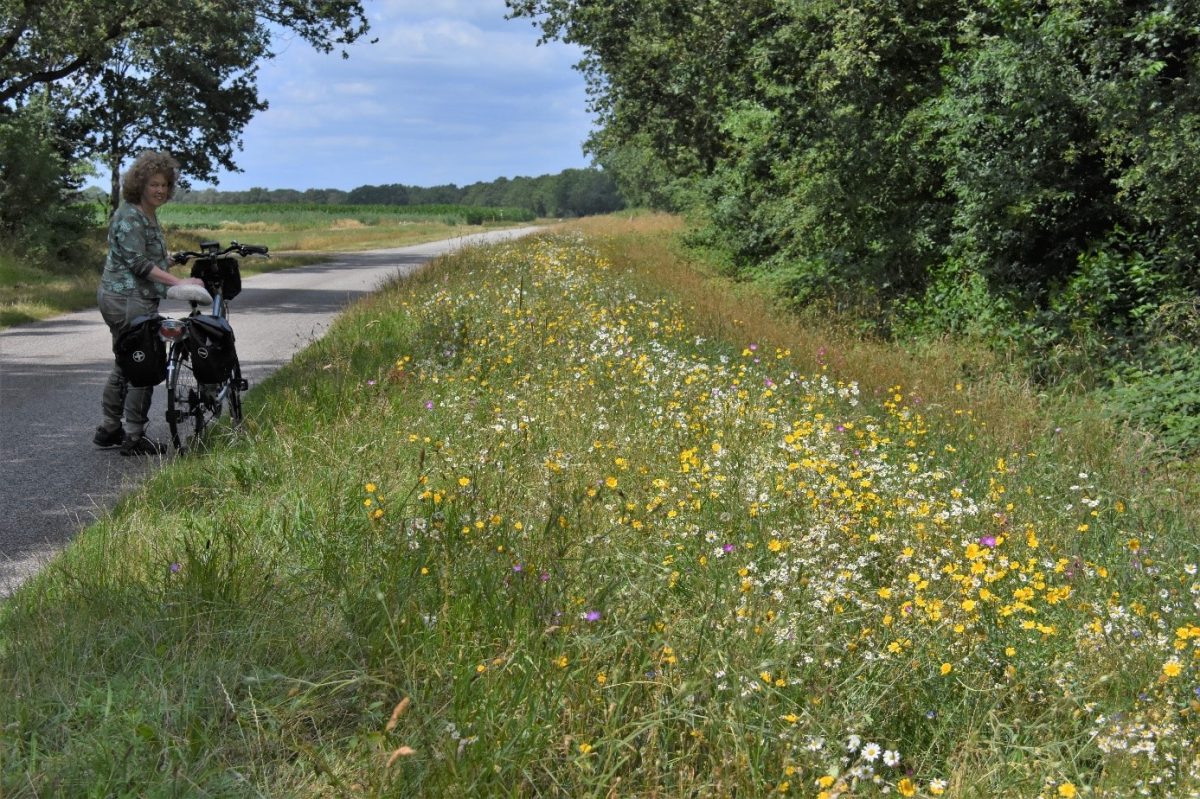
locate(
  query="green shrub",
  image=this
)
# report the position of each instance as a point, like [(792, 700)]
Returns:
[(1160, 392), (38, 216)]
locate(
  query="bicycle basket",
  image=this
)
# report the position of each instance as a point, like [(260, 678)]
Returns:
[(211, 347), (141, 354), (219, 274)]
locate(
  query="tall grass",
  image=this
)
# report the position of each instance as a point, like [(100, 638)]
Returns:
[(567, 517)]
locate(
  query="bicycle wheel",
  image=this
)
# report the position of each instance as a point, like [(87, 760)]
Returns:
[(188, 411)]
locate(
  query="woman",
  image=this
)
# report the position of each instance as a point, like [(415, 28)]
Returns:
[(135, 278)]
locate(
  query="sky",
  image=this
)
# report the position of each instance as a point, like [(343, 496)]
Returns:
[(451, 93)]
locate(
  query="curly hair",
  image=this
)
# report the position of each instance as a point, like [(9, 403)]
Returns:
[(148, 164)]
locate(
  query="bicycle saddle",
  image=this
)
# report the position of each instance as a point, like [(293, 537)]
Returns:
[(190, 293)]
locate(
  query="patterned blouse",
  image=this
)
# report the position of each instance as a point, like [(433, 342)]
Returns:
[(135, 246)]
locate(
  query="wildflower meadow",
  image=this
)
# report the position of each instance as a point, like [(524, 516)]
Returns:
[(523, 525)]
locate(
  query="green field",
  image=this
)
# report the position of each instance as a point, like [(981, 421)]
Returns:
[(332, 228), (299, 215), (580, 519), (314, 227)]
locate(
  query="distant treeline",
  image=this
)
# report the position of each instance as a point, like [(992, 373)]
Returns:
[(572, 192)]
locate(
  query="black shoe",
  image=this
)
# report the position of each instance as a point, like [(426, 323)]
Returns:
[(140, 445), (108, 438)]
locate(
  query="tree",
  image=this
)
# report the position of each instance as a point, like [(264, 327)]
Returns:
[(190, 96), (37, 184), (46, 41)]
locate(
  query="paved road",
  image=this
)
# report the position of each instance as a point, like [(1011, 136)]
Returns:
[(53, 481)]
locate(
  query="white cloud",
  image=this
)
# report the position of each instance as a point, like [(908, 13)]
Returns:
[(451, 92)]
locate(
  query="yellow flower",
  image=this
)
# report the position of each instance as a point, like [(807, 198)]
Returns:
[(1067, 790), (585, 748), (906, 787), (946, 669), (601, 678), (611, 482), (775, 545), (464, 481), (370, 488), (1172, 668), (562, 661)]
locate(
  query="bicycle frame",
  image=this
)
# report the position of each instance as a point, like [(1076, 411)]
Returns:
[(192, 405)]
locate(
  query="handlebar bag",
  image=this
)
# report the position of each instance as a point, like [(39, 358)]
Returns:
[(219, 274), (141, 354), (211, 347)]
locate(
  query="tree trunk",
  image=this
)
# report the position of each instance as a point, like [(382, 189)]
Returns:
[(114, 196)]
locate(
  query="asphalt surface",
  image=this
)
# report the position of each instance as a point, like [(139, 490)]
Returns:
[(54, 481)]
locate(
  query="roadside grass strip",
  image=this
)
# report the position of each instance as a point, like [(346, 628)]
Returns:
[(516, 528)]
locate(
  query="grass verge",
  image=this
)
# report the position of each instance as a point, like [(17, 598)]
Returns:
[(569, 517)]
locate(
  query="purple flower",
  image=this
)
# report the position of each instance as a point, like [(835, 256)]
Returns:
[(728, 548), (988, 541), (517, 567), (544, 577), (429, 405), (370, 382), (841, 428), (592, 615), (175, 567)]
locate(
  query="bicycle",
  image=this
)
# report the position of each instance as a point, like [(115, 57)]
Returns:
[(203, 373)]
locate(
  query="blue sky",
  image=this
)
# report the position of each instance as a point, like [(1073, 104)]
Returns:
[(451, 93)]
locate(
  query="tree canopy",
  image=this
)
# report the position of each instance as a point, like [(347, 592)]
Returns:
[(1018, 170), (43, 42)]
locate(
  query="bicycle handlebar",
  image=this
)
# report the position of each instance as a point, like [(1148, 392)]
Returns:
[(241, 249)]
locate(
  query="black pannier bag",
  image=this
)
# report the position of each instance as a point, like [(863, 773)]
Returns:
[(210, 345), (141, 354)]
